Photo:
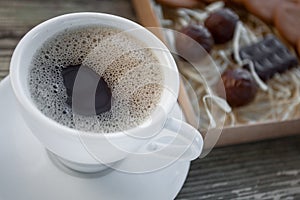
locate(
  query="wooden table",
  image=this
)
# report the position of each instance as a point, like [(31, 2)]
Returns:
[(264, 170)]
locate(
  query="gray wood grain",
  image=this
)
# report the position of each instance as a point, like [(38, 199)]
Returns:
[(264, 170)]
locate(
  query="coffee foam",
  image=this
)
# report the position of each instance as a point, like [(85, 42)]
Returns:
[(132, 72)]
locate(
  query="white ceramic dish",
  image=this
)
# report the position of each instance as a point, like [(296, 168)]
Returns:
[(28, 173)]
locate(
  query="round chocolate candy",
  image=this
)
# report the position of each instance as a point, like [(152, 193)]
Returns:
[(187, 42), (240, 87), (221, 24)]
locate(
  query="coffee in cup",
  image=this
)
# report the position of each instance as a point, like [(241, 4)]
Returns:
[(123, 65)]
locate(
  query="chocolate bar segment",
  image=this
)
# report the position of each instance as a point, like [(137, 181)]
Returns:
[(269, 57)]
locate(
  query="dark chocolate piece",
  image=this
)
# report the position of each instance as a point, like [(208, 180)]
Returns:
[(221, 24), (269, 57), (93, 96), (188, 47), (239, 85)]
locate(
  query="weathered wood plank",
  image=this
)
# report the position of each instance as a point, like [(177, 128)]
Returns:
[(264, 170)]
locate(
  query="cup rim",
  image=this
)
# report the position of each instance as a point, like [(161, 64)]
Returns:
[(29, 105)]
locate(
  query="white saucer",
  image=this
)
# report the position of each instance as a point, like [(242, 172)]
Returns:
[(28, 173)]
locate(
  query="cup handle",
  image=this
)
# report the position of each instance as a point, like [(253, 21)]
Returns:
[(178, 140)]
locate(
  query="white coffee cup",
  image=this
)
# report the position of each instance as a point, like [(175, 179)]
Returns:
[(80, 150)]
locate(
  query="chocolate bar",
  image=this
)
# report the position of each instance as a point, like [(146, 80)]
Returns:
[(269, 56)]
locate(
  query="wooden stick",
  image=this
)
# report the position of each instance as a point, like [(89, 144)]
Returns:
[(148, 18)]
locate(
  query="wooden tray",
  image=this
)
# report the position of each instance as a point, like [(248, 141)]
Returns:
[(230, 135)]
